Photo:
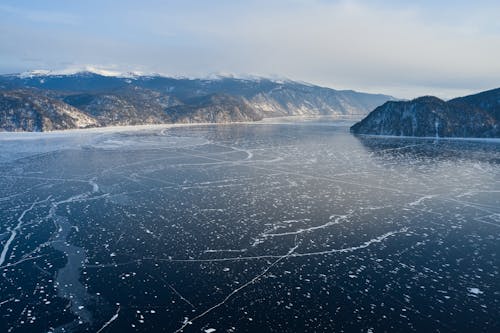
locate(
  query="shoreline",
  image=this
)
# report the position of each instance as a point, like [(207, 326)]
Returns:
[(447, 138), (286, 120), (291, 120)]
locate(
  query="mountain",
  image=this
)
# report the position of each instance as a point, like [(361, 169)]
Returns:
[(471, 116), (153, 99), (125, 106), (214, 108), (29, 110)]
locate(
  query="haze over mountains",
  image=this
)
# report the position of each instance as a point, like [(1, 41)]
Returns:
[(470, 116), (40, 101)]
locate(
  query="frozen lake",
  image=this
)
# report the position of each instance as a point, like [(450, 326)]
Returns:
[(277, 227)]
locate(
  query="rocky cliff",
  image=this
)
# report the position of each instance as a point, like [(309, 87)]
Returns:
[(471, 116)]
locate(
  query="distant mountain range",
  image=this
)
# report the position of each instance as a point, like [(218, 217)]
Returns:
[(43, 101), (471, 116)]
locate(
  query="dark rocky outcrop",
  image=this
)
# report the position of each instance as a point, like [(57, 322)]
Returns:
[(471, 116)]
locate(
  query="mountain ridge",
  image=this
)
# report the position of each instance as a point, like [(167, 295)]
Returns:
[(155, 99)]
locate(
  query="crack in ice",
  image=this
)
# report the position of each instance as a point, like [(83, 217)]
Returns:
[(112, 319), (361, 246), (13, 232), (255, 279)]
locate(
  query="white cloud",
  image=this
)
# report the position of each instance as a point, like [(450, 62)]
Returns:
[(395, 48)]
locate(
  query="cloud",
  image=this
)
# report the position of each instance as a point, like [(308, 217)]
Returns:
[(396, 47), (350, 44)]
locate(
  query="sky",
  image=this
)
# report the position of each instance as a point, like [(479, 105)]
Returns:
[(401, 48)]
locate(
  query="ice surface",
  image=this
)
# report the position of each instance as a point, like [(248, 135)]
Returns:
[(290, 225)]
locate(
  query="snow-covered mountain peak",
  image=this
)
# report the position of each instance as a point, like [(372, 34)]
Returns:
[(80, 70)]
